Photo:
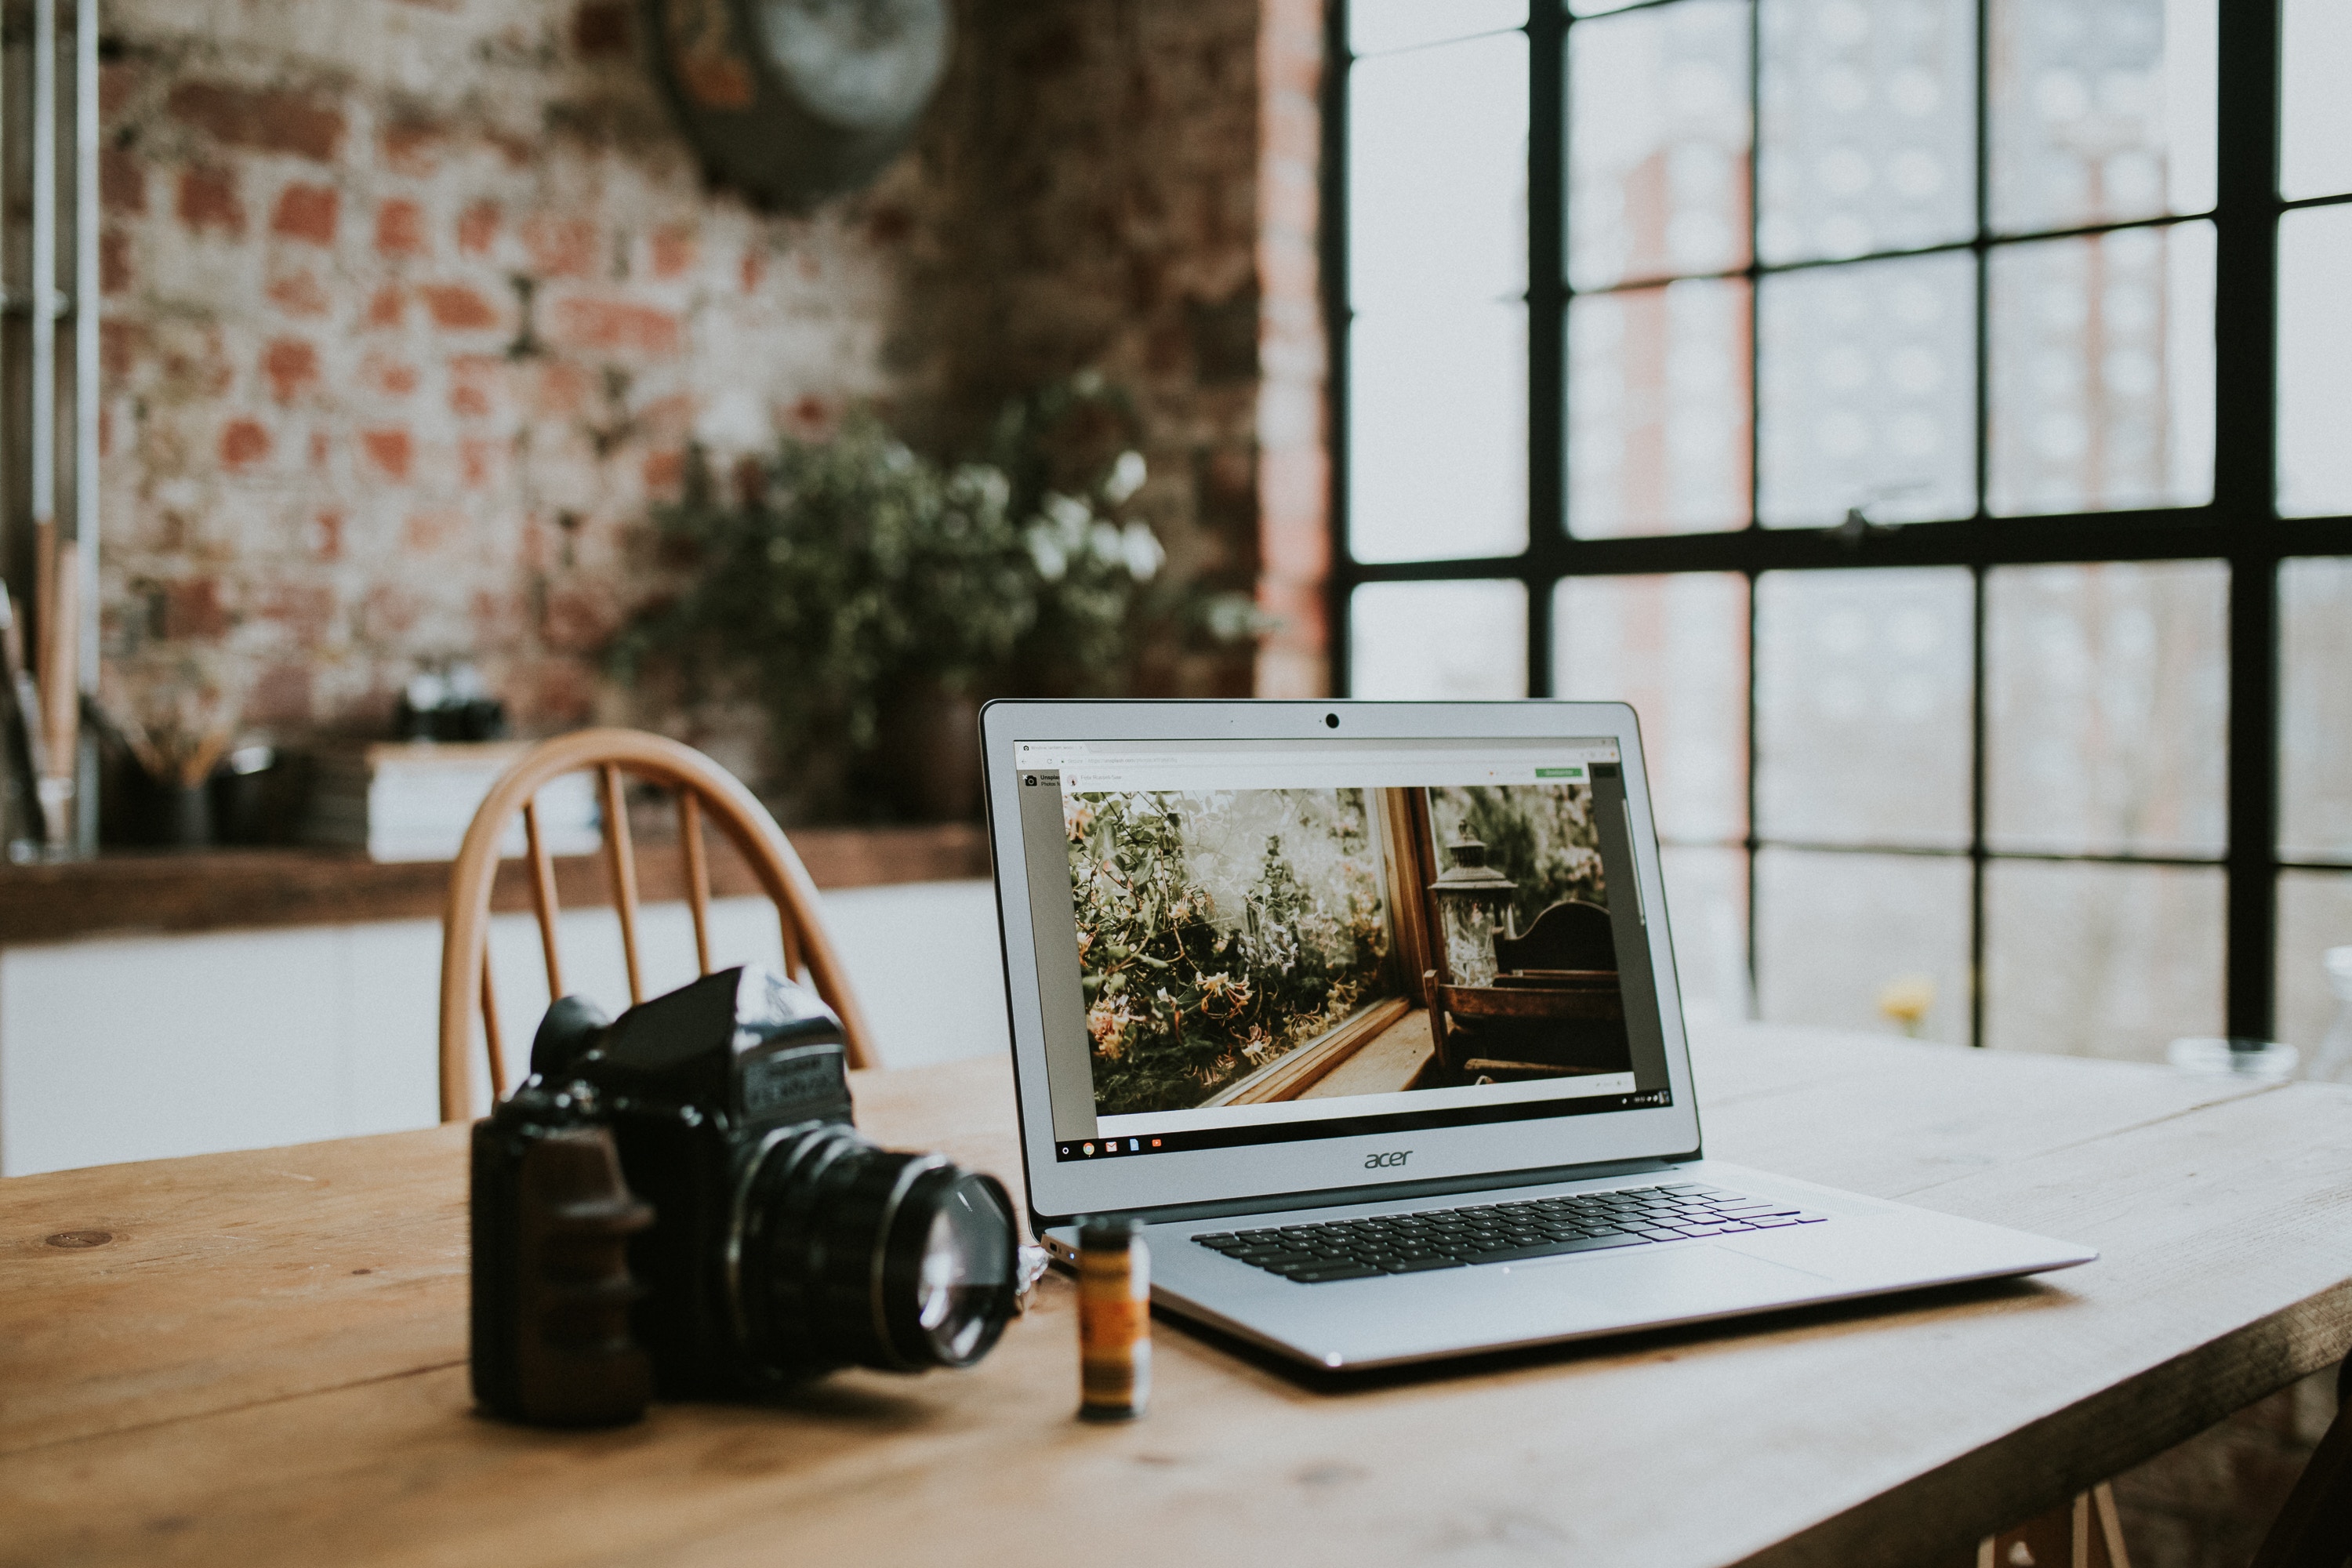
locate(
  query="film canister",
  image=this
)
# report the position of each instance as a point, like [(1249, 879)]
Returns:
[(1113, 1320)]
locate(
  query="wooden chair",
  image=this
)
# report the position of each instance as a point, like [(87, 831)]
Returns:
[(701, 786)]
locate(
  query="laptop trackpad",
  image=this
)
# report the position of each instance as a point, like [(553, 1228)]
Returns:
[(1676, 1282)]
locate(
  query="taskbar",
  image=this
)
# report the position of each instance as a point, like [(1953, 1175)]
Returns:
[(1128, 1146)]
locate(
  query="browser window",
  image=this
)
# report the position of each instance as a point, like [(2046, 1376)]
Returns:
[(1246, 942)]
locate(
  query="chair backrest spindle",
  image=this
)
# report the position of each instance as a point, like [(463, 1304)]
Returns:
[(704, 789), (620, 858), (698, 874), (543, 896)]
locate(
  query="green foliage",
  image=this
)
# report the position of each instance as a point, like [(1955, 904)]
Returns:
[(1186, 992), (840, 574), (1542, 836)]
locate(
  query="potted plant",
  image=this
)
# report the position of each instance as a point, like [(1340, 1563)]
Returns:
[(873, 598)]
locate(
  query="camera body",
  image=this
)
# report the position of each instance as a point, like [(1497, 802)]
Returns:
[(780, 1244)]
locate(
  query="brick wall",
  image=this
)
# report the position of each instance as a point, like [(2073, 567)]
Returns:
[(411, 308)]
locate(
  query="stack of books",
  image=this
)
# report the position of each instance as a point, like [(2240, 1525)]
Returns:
[(414, 800)]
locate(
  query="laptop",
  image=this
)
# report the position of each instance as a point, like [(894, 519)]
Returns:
[(1368, 1011)]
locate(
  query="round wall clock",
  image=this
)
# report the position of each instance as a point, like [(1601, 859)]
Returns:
[(791, 101)]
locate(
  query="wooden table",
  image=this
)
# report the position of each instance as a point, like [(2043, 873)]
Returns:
[(265, 1364)]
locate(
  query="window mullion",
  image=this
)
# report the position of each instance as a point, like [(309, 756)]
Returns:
[(2246, 326)]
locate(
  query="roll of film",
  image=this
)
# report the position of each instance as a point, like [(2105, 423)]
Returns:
[(1113, 1320)]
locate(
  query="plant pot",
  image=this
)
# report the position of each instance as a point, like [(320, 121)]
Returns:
[(174, 818), (927, 752)]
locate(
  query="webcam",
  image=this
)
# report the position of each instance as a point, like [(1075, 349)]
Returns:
[(1331, 720)]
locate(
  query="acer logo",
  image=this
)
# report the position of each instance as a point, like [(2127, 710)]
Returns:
[(1395, 1157)]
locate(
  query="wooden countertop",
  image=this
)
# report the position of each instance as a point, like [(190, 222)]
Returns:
[(262, 1362), (220, 890)]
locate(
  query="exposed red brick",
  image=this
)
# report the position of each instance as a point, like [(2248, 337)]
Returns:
[(243, 443), (600, 28), (319, 451), (299, 293), (562, 390), (400, 228), (518, 151), (193, 609), (413, 147), (669, 419), (674, 249), (557, 693), (325, 536), (577, 620), (119, 344), (478, 461), (388, 614), (282, 695), (121, 181), (209, 200), (306, 212), (662, 471), (291, 366), (477, 229), (118, 81), (387, 307), (268, 119), (754, 268), (305, 609), (473, 384), (456, 307), (606, 323), (393, 451), (560, 247), (426, 533), (113, 261), (392, 377)]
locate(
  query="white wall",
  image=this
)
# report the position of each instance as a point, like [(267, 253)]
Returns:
[(136, 1048)]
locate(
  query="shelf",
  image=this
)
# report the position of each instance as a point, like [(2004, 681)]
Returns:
[(227, 890)]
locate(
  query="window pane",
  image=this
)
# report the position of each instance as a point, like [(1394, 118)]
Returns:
[(2316, 709), (2101, 960), (2314, 914), (1706, 911), (2315, 109), (2103, 371), (2102, 110), (1863, 941), (2109, 690), (1862, 706), (1869, 393), (1437, 175), (1657, 410), (1869, 127), (1676, 648), (1374, 26), (1438, 641), (1437, 432), (2314, 361), (1657, 143)]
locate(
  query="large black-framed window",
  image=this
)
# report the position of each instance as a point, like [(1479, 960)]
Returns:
[(1888, 398)]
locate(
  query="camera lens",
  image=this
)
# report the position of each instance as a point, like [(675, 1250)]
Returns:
[(843, 1252), (1331, 720)]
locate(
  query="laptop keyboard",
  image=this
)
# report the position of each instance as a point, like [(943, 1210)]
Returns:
[(1500, 1233)]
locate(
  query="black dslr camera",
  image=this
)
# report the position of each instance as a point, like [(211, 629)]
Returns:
[(676, 1201)]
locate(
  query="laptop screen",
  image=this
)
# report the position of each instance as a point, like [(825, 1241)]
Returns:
[(1255, 942)]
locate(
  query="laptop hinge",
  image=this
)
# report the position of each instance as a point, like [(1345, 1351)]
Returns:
[(1385, 1192)]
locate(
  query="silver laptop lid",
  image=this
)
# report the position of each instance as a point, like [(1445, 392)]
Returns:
[(1261, 948)]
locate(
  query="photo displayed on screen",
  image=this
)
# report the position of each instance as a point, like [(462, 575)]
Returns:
[(1266, 948), (1240, 947)]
